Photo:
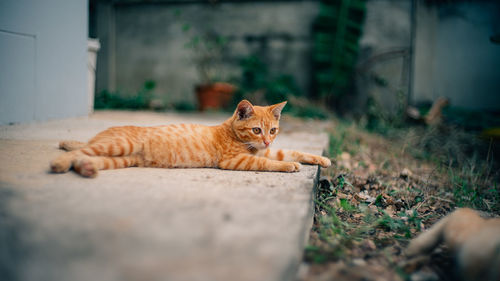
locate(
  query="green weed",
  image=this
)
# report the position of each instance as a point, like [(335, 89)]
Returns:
[(470, 189), (117, 100), (336, 142)]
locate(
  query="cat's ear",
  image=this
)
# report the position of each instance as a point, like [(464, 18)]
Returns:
[(277, 108), (244, 110)]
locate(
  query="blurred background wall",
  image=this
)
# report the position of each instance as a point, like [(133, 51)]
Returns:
[(43, 56), (144, 40), (453, 55), (403, 51), (383, 68)]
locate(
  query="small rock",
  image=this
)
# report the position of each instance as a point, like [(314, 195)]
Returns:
[(373, 208), (359, 262), (361, 196), (358, 215), (341, 195), (345, 156), (156, 104), (364, 197), (369, 245), (424, 276), (405, 173), (372, 168), (370, 200), (354, 202), (390, 211), (413, 113), (399, 204)]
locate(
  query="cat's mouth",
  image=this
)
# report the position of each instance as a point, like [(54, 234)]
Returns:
[(262, 145), (258, 146)]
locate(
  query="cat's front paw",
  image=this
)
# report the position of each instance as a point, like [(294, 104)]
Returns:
[(324, 162), (292, 167)]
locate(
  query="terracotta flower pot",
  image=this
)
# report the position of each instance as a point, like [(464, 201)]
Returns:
[(214, 96)]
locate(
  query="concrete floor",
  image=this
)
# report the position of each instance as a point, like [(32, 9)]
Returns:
[(145, 223)]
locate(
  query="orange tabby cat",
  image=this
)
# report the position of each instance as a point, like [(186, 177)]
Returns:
[(240, 143), (474, 242)]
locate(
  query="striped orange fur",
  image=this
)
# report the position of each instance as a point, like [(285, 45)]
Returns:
[(240, 143)]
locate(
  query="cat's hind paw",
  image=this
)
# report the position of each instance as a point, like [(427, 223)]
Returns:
[(60, 165), (86, 167)]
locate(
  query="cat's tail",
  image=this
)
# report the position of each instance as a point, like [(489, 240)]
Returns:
[(70, 145)]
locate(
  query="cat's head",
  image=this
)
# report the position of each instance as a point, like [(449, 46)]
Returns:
[(257, 126)]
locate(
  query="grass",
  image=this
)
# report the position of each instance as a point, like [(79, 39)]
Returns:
[(384, 190), (336, 143), (471, 189)]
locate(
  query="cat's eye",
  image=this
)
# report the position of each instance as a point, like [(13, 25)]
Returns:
[(273, 131), (256, 130)]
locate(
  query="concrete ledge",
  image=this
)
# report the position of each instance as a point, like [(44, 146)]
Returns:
[(144, 223)]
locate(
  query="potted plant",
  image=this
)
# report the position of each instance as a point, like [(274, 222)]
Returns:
[(207, 52)]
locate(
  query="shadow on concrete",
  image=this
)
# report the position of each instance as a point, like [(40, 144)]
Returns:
[(13, 249)]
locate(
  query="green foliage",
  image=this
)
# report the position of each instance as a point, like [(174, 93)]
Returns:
[(117, 100), (470, 162), (259, 85), (381, 121), (255, 78), (280, 88), (308, 111), (374, 218), (336, 233), (254, 74), (336, 32), (344, 204), (401, 227), (471, 120), (336, 142), (206, 47), (338, 236), (184, 106), (473, 188)]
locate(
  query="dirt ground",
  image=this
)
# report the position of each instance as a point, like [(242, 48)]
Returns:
[(381, 192)]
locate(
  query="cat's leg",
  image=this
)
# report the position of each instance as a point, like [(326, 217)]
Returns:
[(64, 162), (114, 148), (89, 166), (70, 145), (248, 162), (295, 156), (428, 240)]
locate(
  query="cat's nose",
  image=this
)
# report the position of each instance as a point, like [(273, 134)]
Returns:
[(266, 142)]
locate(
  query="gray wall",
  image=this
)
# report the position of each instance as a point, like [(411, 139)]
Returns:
[(142, 41), (454, 57), (384, 57), (43, 56)]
